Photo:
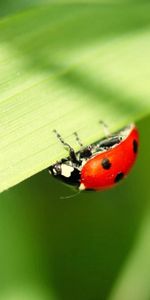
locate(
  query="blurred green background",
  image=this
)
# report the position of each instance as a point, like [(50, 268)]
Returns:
[(95, 246), (73, 248)]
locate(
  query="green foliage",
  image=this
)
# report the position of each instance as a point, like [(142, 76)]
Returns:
[(87, 247), (66, 66)]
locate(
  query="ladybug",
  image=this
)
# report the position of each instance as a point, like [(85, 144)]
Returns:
[(100, 165)]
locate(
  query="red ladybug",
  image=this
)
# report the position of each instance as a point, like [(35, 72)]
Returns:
[(100, 165)]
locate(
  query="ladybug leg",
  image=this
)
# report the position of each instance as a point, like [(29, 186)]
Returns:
[(72, 154), (110, 139), (78, 139), (105, 128), (86, 152), (109, 142)]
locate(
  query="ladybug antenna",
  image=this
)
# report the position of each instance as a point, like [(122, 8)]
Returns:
[(78, 139), (105, 127), (70, 196)]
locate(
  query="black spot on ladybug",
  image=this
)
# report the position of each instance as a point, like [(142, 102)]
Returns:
[(135, 146), (119, 177), (106, 164)]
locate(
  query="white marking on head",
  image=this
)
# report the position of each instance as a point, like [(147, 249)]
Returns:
[(66, 170), (82, 187)]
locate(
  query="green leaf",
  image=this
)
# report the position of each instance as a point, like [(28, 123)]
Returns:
[(136, 272), (66, 66)]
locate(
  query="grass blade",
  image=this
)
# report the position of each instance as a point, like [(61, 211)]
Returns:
[(67, 66)]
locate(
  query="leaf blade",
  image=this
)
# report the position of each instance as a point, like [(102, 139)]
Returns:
[(51, 79)]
